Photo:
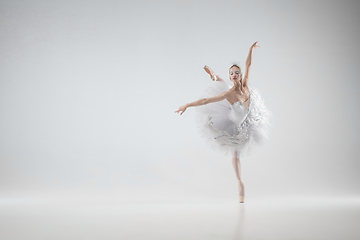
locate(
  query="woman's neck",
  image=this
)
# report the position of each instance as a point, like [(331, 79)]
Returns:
[(237, 86)]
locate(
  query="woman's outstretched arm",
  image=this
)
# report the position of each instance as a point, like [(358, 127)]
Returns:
[(202, 101), (248, 64)]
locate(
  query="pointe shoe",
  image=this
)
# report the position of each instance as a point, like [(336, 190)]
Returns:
[(241, 192), (211, 73), (241, 198)]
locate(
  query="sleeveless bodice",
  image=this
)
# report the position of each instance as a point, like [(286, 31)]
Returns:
[(238, 113)]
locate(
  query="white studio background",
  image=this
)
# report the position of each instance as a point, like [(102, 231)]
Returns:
[(88, 91)]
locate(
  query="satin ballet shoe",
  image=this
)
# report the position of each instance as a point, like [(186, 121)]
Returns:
[(241, 199), (211, 73), (241, 192)]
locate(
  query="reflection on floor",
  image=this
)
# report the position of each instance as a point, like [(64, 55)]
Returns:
[(281, 218)]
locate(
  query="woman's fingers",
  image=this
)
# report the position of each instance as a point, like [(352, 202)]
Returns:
[(180, 111), (255, 45)]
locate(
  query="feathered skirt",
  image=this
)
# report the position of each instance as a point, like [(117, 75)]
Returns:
[(222, 132)]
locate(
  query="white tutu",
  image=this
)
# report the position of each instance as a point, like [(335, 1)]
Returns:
[(232, 127)]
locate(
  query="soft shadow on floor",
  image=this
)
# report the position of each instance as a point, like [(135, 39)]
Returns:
[(276, 218)]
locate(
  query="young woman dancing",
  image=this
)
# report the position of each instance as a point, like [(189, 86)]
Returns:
[(237, 124)]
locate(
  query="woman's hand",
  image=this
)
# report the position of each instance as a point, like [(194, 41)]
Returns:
[(254, 45), (181, 109)]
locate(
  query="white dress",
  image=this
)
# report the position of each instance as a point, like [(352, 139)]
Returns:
[(234, 127)]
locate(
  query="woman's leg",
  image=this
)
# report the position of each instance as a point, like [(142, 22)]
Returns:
[(237, 169), (213, 76)]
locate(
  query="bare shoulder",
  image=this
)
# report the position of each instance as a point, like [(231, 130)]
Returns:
[(247, 91), (246, 87), (222, 95), (227, 93)]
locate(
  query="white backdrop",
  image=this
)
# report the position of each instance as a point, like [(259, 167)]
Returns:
[(88, 91)]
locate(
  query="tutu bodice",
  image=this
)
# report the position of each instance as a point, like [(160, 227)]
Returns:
[(234, 127), (238, 112)]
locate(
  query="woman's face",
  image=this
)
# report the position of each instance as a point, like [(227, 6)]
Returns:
[(235, 74)]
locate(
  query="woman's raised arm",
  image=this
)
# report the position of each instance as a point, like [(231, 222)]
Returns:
[(248, 64), (202, 101)]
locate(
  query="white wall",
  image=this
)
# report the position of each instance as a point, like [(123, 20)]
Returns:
[(88, 91)]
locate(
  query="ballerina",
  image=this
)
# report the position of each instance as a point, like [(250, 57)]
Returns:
[(235, 125)]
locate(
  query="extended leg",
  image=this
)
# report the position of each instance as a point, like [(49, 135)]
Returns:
[(213, 76), (237, 169)]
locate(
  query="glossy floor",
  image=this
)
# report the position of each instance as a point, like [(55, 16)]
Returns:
[(276, 218)]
